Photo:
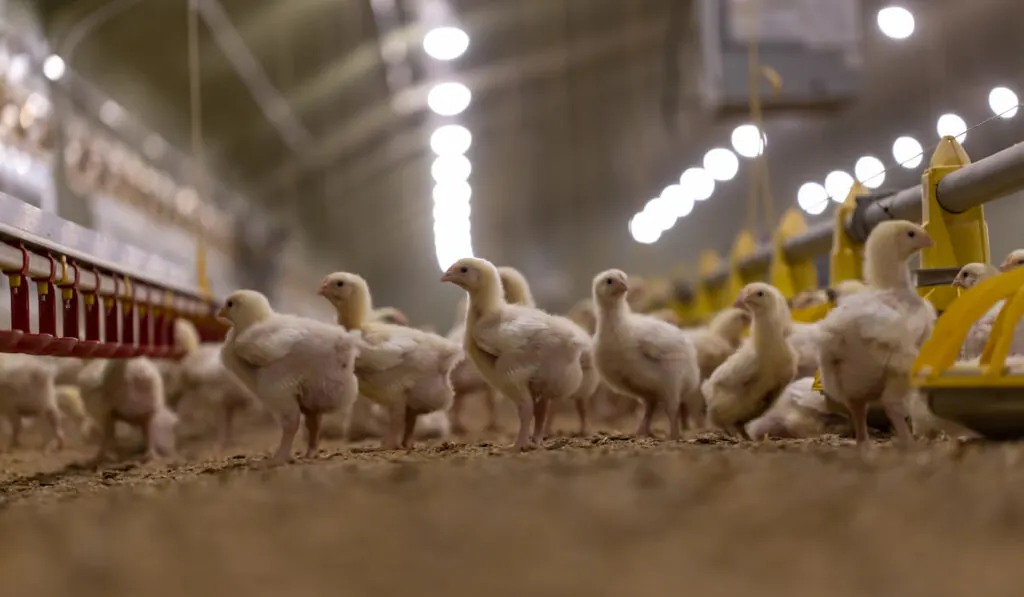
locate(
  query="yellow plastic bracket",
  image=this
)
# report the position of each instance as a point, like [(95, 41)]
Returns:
[(959, 238), (846, 261), (709, 299), (744, 246), (791, 277), (940, 352)]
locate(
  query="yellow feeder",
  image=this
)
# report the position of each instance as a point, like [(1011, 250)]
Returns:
[(986, 396)]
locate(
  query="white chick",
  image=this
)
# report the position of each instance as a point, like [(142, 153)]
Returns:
[(295, 366), (750, 380), (517, 292), (808, 298), (719, 339), (524, 353), (972, 273), (27, 389), (132, 391), (69, 399), (643, 357), (186, 338), (870, 340), (805, 338), (467, 380), (978, 335), (206, 382), (1013, 260), (799, 412), (403, 369)]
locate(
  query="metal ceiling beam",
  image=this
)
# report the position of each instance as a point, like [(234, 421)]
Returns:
[(549, 62), (274, 106)]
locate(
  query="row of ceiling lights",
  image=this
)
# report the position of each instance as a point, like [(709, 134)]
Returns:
[(451, 168), (698, 184)]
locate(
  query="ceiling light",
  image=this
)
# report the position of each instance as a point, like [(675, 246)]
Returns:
[(451, 139), (660, 213), (1004, 102), (721, 164), (838, 185), (907, 152), (452, 191), (676, 198), (450, 168), (951, 125), (449, 99), (812, 198), (870, 171), (644, 231), (896, 22), (697, 183), (54, 67), (747, 141), (445, 43)]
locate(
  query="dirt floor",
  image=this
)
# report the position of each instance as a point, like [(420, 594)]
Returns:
[(595, 516)]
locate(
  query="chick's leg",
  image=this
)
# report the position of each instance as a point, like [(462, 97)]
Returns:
[(644, 430), (313, 420), (53, 417), (581, 414), (893, 401), (396, 427), (15, 421), (859, 418), (106, 439), (540, 419), (289, 427), (491, 401), (409, 427)]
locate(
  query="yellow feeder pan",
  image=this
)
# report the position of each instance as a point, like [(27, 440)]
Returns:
[(987, 396)]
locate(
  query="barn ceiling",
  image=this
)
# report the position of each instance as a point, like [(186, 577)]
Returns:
[(582, 110)]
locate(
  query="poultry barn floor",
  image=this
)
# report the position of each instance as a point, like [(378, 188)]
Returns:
[(605, 515)]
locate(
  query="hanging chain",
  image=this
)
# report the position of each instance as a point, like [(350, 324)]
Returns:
[(759, 191), (199, 163)]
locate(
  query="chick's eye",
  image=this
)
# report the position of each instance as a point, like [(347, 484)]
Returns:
[(760, 293), (911, 234), (339, 284), (231, 304), (464, 270), (608, 281)]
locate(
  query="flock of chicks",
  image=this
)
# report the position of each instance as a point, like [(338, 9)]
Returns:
[(752, 385)]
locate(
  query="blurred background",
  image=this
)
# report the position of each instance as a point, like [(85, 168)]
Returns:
[(279, 140)]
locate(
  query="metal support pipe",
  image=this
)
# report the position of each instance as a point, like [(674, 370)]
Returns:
[(986, 180)]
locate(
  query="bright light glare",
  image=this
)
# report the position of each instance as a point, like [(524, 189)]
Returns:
[(660, 213), (721, 164), (870, 171), (896, 22), (747, 142), (452, 191), (812, 198), (951, 125), (643, 229), (907, 152), (678, 200), (697, 183), (1004, 102), (449, 99), (451, 139), (447, 168), (445, 43), (451, 211), (838, 185), (54, 67)]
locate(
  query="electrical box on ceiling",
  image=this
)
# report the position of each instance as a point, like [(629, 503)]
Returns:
[(814, 47)]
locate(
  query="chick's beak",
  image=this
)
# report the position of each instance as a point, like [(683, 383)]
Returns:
[(741, 301), (448, 276), (222, 313), (323, 289), (927, 242)]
